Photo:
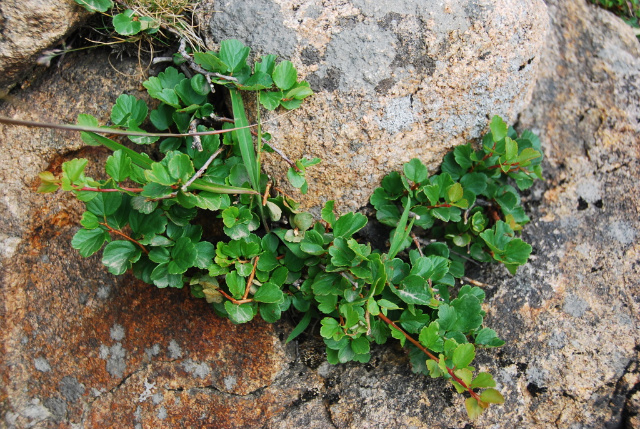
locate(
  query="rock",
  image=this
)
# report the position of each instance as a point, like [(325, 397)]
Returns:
[(394, 80), (27, 27), (571, 317), (83, 348)]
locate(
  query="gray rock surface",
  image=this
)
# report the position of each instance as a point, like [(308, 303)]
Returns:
[(80, 348), (395, 80), (27, 27)]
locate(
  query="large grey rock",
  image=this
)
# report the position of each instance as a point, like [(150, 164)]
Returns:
[(27, 27), (394, 79)]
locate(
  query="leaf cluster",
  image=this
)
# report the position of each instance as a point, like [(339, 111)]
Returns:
[(274, 257)]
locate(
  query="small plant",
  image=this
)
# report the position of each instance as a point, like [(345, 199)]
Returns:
[(628, 10), (147, 17), (147, 217)]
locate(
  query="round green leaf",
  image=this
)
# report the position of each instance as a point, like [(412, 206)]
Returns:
[(118, 256), (89, 241), (268, 293), (125, 25), (183, 256)]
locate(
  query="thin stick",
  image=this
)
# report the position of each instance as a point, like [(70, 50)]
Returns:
[(97, 130), (251, 276), (202, 169)]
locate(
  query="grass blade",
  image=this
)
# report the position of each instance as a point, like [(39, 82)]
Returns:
[(245, 141)]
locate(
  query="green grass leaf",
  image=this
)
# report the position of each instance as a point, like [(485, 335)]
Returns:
[(96, 5), (300, 327), (245, 141)]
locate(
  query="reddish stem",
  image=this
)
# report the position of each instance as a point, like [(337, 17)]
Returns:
[(235, 301), (250, 280), (428, 353), (123, 235)]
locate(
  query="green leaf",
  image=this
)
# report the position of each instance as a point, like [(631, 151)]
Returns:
[(474, 410), (302, 221), (349, 224), (180, 166), (414, 291), (330, 327), (105, 203), (188, 95), (327, 213), (161, 277), (266, 65), (89, 220), (498, 128), (285, 75), (74, 169), (118, 256), (492, 396), (483, 379), (96, 5), (200, 85), (239, 313), (511, 150), (257, 81), (236, 284), (430, 337), (270, 100), (462, 155), (269, 293), (160, 174), (416, 171), (89, 241), (300, 327), (360, 345), (296, 178), (205, 253), (125, 24), (129, 111), (488, 338), (454, 193), (183, 256), (245, 142), (299, 92), (401, 233), (118, 166), (234, 54), (463, 355), (209, 61)]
